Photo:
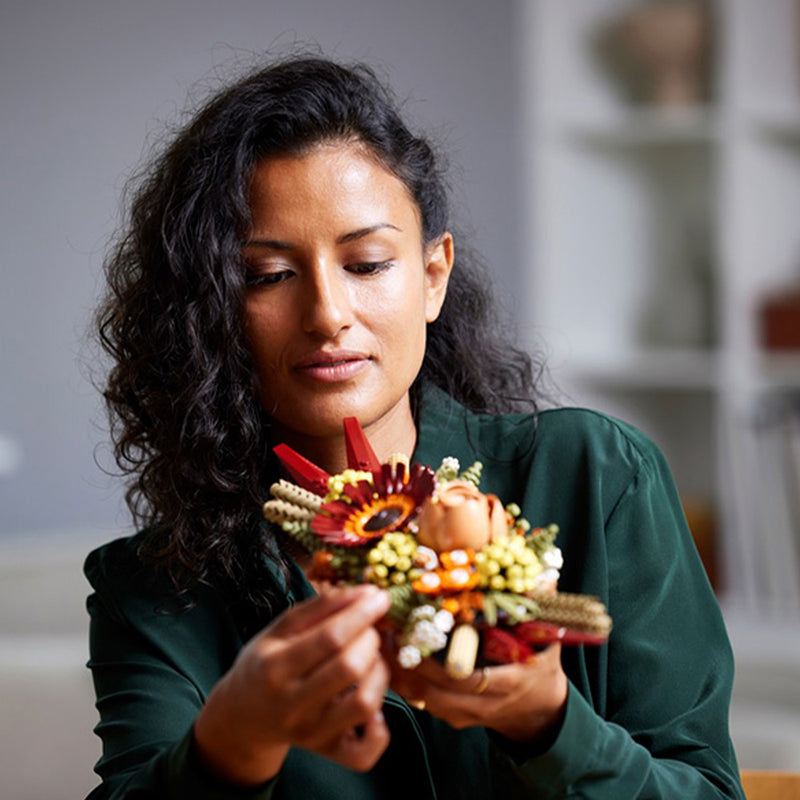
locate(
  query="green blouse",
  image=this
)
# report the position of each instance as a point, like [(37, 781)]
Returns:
[(647, 714)]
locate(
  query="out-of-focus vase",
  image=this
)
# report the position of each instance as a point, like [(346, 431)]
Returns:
[(669, 42)]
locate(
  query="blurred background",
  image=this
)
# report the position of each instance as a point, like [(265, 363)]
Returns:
[(630, 170)]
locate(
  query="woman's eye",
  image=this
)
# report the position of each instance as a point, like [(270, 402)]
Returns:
[(266, 278), (369, 267)]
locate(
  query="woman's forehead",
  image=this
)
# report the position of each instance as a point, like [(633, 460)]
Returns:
[(333, 183)]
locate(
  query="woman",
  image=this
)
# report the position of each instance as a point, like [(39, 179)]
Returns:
[(288, 264)]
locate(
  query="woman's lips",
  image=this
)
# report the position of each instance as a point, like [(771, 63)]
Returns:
[(332, 367)]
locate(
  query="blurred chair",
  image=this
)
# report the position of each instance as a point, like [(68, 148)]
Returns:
[(771, 785)]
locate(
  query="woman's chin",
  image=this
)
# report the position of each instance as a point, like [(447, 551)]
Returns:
[(320, 422), (323, 420)]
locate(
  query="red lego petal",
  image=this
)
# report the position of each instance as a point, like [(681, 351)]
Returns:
[(305, 474), (502, 647), (360, 454), (535, 633)]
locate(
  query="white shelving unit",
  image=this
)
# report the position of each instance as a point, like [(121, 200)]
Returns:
[(656, 231), (655, 234)]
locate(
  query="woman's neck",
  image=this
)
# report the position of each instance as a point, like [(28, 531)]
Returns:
[(394, 432)]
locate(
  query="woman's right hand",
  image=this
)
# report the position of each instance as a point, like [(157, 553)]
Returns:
[(313, 679)]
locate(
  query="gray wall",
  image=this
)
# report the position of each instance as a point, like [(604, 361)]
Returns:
[(84, 83)]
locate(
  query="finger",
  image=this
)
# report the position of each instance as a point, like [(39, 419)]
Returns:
[(503, 678), (347, 667), (430, 673), (310, 612), (442, 703), (325, 687), (306, 650), (491, 680), (353, 709), (310, 719), (331, 636), (521, 699), (361, 749), (462, 708), (412, 683)]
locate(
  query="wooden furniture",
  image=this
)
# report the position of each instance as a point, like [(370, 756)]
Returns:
[(767, 785)]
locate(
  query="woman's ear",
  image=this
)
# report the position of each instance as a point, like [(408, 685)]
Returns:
[(438, 265)]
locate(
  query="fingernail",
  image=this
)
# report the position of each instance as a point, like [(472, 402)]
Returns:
[(377, 598)]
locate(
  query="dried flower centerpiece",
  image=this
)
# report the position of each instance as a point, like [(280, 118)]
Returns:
[(469, 578)]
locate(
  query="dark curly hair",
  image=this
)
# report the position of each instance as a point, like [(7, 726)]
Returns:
[(182, 396)]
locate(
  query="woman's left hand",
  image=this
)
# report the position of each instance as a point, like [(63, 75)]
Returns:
[(523, 702)]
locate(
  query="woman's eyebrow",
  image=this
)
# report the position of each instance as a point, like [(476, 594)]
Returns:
[(273, 244), (361, 232), (277, 244)]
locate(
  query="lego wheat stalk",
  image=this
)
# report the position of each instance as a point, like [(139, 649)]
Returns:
[(471, 580)]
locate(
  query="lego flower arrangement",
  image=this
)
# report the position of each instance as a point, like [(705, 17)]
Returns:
[(470, 579)]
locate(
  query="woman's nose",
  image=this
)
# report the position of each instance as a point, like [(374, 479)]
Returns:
[(328, 309)]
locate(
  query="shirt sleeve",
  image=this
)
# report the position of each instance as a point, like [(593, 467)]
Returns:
[(147, 707), (663, 732)]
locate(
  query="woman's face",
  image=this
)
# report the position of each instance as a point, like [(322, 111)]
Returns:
[(339, 290)]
